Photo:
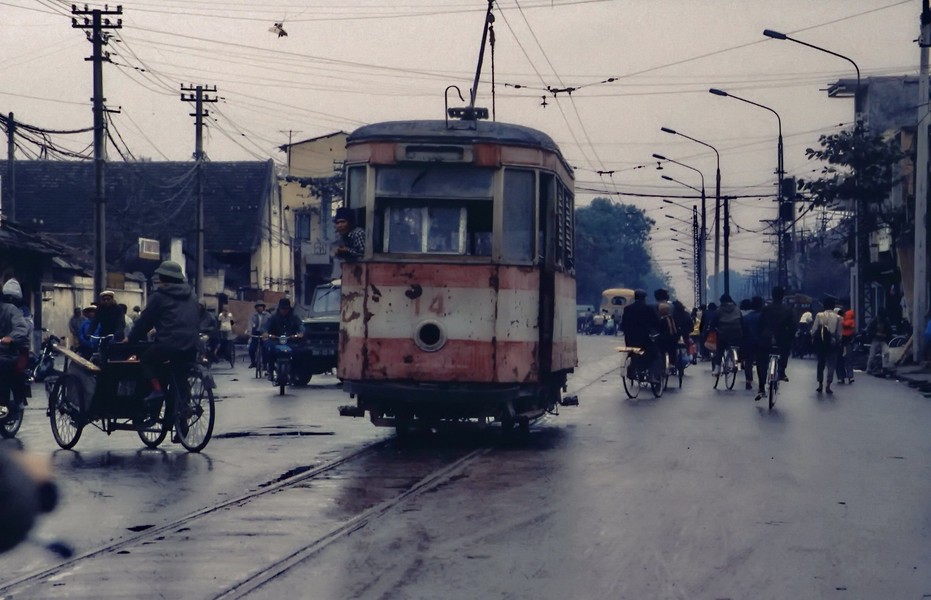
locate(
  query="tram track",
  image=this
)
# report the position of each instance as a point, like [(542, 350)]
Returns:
[(79, 576)]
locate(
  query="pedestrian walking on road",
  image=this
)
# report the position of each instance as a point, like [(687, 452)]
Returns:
[(844, 362), (826, 336)]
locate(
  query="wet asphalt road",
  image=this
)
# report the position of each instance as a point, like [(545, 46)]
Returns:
[(698, 494)]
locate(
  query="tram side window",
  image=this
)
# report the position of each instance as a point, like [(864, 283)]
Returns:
[(518, 217)]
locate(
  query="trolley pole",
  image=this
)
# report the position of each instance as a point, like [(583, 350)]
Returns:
[(196, 95), (99, 38)]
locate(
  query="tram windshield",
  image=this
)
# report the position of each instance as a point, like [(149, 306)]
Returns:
[(434, 210)]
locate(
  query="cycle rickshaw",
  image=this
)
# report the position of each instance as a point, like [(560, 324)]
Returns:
[(108, 392)]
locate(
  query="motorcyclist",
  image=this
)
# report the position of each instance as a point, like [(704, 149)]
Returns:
[(283, 322), (172, 310), (14, 335)]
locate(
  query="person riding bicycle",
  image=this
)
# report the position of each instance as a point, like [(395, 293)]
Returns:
[(640, 320), (727, 324), (173, 311), (14, 334), (283, 322), (256, 324), (777, 322)]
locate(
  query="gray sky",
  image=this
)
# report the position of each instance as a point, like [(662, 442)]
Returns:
[(347, 63)]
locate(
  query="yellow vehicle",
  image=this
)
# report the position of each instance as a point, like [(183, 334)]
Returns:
[(614, 300)]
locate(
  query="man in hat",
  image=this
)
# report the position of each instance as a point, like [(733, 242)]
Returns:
[(256, 326), (352, 238), (109, 319), (173, 312), (283, 322)]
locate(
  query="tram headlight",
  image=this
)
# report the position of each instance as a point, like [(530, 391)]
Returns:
[(430, 336)]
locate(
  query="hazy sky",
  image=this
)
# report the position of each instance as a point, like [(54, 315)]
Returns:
[(347, 63)]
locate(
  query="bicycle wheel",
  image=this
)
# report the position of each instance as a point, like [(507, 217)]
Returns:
[(717, 373), (194, 414), (680, 371), (155, 434), (659, 378), (64, 411), (283, 373), (773, 377), (730, 370), (11, 424), (231, 353), (629, 378)]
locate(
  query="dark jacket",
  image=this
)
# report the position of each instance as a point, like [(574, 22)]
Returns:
[(14, 325), (174, 313), (278, 325), (753, 338), (639, 321), (110, 320), (727, 322), (778, 324)]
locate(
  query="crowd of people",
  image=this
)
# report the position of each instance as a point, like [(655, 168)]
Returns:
[(758, 329)]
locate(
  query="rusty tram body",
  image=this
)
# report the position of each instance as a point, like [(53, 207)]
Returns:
[(463, 306)]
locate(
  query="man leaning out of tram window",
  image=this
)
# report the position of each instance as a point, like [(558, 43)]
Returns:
[(174, 313), (352, 238)]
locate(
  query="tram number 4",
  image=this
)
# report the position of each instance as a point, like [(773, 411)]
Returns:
[(436, 305)]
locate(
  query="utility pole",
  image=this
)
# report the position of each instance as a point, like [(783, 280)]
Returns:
[(97, 23), (697, 252), (196, 95), (920, 282), (9, 189)]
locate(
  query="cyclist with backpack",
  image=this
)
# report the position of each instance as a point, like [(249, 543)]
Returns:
[(826, 339), (727, 323)]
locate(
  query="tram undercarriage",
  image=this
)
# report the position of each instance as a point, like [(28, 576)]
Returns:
[(410, 404)]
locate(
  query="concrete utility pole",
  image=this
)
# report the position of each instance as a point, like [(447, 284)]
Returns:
[(196, 95), (99, 38), (920, 283), (9, 189)]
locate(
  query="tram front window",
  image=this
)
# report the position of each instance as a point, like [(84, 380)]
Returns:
[(425, 229)]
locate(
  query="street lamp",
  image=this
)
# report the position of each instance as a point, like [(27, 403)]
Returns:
[(780, 174), (857, 295), (717, 213), (698, 241)]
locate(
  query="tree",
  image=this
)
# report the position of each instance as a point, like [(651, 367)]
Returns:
[(610, 250), (860, 170)]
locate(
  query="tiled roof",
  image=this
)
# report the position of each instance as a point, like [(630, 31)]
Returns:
[(145, 199)]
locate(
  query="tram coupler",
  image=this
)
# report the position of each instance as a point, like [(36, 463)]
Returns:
[(349, 410), (569, 400)]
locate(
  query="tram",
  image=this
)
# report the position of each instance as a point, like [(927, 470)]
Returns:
[(463, 306)]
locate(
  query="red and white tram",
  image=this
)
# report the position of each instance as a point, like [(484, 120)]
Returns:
[(463, 306)]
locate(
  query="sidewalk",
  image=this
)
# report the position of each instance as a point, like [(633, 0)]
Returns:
[(916, 376)]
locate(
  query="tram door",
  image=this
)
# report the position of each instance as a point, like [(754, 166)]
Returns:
[(547, 238)]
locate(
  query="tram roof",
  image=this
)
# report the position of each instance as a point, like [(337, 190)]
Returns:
[(460, 131)]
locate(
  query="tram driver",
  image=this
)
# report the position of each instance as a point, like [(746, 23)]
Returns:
[(352, 237)]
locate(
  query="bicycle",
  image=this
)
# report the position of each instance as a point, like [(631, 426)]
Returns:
[(259, 357), (772, 377), (635, 374), (728, 368), (227, 351), (109, 395)]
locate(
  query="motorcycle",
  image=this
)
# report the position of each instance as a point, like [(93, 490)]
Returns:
[(39, 368), (284, 355)]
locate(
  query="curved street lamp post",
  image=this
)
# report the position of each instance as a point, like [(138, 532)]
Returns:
[(717, 213), (782, 262)]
